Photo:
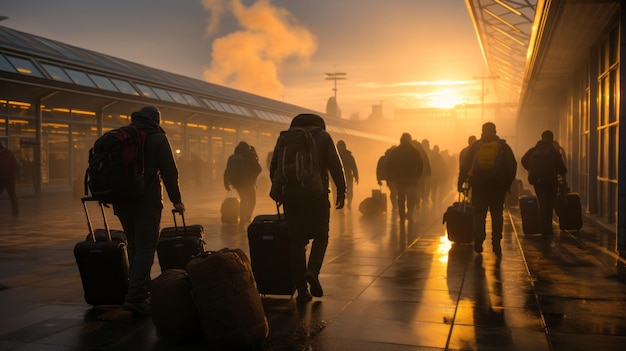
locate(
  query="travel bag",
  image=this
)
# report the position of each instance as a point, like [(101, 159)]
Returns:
[(529, 210), (230, 210), (458, 219), (177, 244), (569, 211), (102, 263), (229, 305), (268, 238), (172, 309)]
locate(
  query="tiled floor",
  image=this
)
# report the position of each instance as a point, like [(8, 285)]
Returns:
[(387, 286)]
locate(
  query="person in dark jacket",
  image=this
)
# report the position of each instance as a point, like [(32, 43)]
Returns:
[(545, 166), (242, 171), (141, 218), (310, 219), (383, 174), (405, 166), (8, 171), (350, 170), (488, 186)]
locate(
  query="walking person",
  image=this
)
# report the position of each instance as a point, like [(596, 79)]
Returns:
[(242, 171), (489, 168), (545, 167), (405, 167), (383, 174), (350, 170), (141, 218), (308, 218), (9, 167)]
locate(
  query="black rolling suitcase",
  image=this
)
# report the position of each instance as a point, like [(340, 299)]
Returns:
[(458, 219), (102, 261), (569, 211), (529, 210), (177, 244), (268, 239)]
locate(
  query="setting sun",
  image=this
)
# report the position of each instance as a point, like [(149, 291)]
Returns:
[(445, 99)]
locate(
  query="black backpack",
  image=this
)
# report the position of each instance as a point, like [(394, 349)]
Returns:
[(116, 165), (542, 168), (297, 176)]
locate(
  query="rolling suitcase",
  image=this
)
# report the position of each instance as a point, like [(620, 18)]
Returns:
[(230, 210), (229, 305), (458, 219), (382, 198), (569, 211), (176, 245), (529, 210), (172, 309), (102, 263), (371, 206), (268, 239)]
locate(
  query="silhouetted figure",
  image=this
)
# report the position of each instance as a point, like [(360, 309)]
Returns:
[(382, 173), (309, 219), (439, 174), (242, 170), (350, 171), (9, 168), (141, 218), (405, 168), (490, 168), (424, 181), (545, 164), (471, 140), (425, 197)]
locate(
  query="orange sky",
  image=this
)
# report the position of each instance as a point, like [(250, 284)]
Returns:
[(401, 53)]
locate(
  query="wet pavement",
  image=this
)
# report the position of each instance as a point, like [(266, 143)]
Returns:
[(387, 286)]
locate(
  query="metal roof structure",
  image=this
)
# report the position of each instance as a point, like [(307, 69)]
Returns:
[(40, 70)]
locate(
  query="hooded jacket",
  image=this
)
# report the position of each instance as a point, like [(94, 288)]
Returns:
[(507, 168), (327, 156), (349, 163), (159, 163), (405, 164), (242, 168)]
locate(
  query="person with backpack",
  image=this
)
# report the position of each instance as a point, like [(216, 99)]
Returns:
[(489, 167), (545, 167), (405, 166), (303, 157), (350, 170), (8, 171), (383, 174), (141, 217), (242, 170)]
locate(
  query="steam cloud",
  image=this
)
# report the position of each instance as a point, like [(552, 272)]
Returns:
[(250, 59)]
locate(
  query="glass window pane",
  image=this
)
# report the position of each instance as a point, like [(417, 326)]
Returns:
[(191, 100), (147, 91), (80, 78), (124, 86), (25, 66), (162, 94), (177, 97), (5, 65), (57, 73), (103, 82)]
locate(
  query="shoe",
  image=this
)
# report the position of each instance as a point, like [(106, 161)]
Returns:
[(497, 249), (138, 308), (314, 283), (478, 246), (304, 297)]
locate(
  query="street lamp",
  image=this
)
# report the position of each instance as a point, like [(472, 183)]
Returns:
[(336, 76)]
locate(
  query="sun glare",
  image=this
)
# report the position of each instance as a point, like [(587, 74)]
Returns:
[(446, 100)]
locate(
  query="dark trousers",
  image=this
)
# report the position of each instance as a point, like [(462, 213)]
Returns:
[(306, 221), (9, 184), (141, 225), (407, 200), (546, 198), (488, 199), (247, 202)]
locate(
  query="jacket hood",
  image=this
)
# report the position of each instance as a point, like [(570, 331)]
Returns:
[(308, 120), (147, 117), (242, 148)]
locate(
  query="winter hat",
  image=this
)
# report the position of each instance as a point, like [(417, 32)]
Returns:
[(149, 113)]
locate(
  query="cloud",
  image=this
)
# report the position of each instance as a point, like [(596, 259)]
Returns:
[(249, 59)]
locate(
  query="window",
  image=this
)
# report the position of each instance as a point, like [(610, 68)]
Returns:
[(162, 94), (5, 65), (25, 66), (177, 97), (147, 91), (57, 73), (103, 82), (124, 86), (191, 100), (80, 78)]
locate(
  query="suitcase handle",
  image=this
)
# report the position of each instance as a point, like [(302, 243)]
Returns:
[(278, 204), (86, 199), (182, 215)]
